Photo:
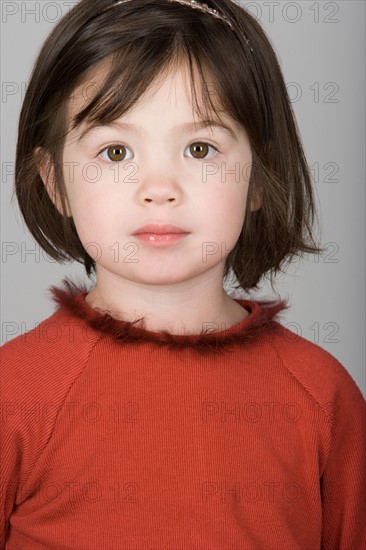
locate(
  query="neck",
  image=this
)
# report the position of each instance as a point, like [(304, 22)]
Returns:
[(183, 307)]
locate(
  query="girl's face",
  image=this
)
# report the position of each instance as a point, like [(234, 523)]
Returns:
[(151, 168)]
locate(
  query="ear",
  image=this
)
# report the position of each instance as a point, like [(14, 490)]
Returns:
[(47, 172), (256, 201)]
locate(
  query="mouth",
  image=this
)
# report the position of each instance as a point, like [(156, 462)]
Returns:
[(160, 239), (156, 229)]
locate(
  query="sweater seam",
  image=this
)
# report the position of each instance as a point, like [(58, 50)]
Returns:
[(327, 415), (62, 405)]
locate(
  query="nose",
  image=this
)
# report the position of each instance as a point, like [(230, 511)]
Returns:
[(159, 189), (149, 199)]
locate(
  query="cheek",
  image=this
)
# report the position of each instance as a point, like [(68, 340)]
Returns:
[(227, 203), (89, 210), (86, 190), (232, 219), (93, 216), (223, 219)]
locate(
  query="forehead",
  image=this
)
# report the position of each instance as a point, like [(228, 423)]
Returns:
[(93, 81)]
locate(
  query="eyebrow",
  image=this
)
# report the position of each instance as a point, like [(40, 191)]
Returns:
[(184, 128)]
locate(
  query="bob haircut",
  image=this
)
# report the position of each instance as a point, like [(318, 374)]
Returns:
[(143, 39)]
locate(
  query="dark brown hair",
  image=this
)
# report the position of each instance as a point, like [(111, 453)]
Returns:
[(143, 39)]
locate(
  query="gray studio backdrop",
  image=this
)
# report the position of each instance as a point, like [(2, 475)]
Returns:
[(321, 48)]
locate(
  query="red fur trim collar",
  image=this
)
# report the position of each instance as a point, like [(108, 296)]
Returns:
[(71, 296)]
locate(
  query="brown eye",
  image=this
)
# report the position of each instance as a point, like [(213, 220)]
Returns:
[(116, 153), (199, 149)]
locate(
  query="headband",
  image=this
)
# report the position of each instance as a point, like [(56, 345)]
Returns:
[(204, 8)]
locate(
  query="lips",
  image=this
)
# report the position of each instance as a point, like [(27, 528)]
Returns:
[(156, 229)]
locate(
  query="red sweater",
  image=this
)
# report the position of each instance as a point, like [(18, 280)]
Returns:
[(116, 437)]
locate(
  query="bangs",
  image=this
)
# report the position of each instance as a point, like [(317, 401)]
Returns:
[(121, 88)]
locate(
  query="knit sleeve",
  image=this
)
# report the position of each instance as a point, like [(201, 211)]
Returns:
[(340, 428), (343, 482), (37, 371), (24, 427), (13, 438), (11, 443)]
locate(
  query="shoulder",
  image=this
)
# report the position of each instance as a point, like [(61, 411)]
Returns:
[(38, 370), (317, 371), (46, 359)]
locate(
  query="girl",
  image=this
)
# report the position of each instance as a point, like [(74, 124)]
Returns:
[(153, 410)]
